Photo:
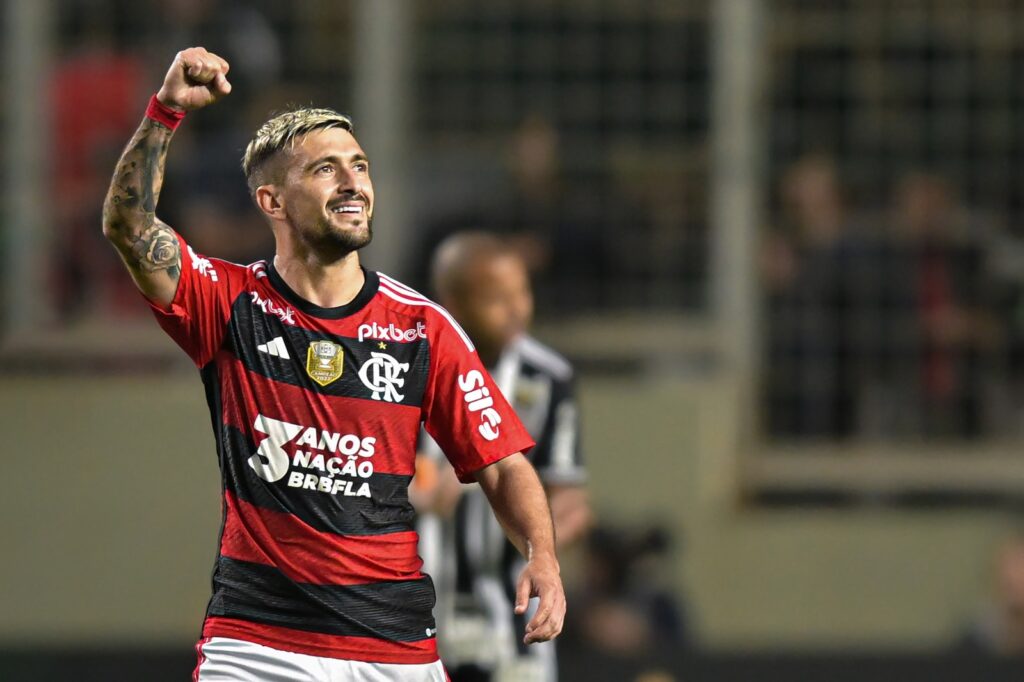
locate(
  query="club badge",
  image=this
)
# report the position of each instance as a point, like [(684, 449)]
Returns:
[(382, 374), (324, 362)]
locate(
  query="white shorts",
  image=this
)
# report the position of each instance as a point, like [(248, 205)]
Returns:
[(222, 659)]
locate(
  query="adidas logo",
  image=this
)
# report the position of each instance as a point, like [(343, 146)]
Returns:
[(274, 347)]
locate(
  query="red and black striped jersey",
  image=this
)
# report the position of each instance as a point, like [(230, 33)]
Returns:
[(316, 413)]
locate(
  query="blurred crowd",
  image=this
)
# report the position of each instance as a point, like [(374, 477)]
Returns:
[(900, 320), (532, 177)]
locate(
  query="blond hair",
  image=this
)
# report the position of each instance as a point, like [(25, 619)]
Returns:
[(280, 132)]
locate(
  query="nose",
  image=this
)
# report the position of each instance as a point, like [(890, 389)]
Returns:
[(348, 181)]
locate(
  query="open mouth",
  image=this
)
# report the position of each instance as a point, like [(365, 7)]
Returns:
[(348, 208)]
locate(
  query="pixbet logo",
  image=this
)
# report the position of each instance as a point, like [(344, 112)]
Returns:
[(391, 332), (478, 400)]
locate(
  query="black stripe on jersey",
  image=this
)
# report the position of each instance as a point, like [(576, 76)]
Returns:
[(387, 510), (211, 384), (398, 610), (251, 327)]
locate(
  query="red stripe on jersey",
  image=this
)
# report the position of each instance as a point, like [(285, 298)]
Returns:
[(367, 649), (307, 555), (244, 392)]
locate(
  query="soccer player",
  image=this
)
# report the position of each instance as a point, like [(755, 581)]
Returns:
[(318, 374), (483, 282)]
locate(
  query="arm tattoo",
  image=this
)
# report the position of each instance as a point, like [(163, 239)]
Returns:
[(157, 249), (147, 244)]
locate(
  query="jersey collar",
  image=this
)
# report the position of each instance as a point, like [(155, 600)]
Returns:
[(369, 290)]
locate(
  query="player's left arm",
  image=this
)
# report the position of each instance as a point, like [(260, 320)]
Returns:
[(518, 500)]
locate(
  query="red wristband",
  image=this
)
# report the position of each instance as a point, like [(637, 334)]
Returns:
[(163, 114)]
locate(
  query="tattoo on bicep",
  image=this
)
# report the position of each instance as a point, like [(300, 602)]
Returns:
[(157, 249)]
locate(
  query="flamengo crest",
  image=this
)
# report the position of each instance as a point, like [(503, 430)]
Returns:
[(324, 362), (382, 375)]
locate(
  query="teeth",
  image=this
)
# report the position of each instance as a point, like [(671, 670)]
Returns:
[(347, 209)]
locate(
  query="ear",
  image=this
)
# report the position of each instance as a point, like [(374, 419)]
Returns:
[(268, 201)]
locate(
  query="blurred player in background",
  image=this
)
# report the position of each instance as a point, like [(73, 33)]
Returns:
[(319, 374), (483, 281), (998, 627)]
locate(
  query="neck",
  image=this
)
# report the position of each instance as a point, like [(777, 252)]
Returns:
[(326, 284)]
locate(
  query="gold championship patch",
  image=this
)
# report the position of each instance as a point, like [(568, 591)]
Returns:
[(324, 362)]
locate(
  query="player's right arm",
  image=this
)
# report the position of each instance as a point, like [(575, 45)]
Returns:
[(148, 246)]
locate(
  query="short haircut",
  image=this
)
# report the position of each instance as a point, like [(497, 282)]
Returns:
[(280, 132), (454, 256)]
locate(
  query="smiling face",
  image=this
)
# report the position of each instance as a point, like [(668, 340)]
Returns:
[(327, 191), (321, 189)]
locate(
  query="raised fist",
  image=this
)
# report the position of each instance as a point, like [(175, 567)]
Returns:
[(196, 78)]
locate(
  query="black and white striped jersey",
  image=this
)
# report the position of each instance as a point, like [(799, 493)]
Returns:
[(469, 555)]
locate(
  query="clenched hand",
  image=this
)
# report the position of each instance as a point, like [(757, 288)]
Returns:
[(196, 78)]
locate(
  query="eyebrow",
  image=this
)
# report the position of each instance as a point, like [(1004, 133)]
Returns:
[(334, 158)]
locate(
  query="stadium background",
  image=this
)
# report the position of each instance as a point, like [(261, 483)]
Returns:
[(721, 200)]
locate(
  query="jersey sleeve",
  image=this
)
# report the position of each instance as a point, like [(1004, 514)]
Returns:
[(198, 316), (558, 456), (463, 410)]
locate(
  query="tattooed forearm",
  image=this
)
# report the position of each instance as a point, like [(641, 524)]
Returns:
[(146, 244)]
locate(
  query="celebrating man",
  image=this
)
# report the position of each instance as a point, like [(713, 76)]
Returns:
[(318, 374)]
